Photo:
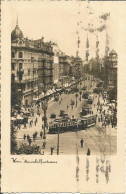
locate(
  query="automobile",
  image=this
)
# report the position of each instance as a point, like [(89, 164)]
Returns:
[(84, 88), (85, 95), (72, 102), (56, 98), (75, 89), (96, 90), (62, 112), (53, 116)]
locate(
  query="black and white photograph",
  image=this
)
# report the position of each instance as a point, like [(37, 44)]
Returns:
[(64, 72), (63, 78)]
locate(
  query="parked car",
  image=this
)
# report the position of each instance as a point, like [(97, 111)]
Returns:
[(53, 116), (84, 88)]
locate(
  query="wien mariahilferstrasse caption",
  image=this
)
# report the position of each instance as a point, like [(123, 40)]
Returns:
[(64, 85)]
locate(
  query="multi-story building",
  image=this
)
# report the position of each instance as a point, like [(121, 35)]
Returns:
[(111, 69), (56, 63), (31, 65)]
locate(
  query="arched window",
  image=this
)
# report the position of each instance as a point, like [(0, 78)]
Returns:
[(20, 54)]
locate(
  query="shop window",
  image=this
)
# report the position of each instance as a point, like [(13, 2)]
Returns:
[(20, 54), (13, 54), (13, 66)]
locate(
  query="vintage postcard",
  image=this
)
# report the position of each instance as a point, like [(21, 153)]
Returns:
[(63, 96)]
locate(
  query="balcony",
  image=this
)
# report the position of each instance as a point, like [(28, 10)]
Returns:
[(20, 71)]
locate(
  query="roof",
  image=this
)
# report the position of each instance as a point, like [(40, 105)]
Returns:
[(16, 33)]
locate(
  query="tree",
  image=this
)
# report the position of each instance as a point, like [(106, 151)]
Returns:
[(13, 140), (27, 149)]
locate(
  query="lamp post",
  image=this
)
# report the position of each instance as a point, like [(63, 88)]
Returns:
[(80, 91), (45, 101), (44, 118), (58, 142)]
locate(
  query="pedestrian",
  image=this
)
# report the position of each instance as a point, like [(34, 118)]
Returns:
[(35, 122), (41, 134), (88, 152), (29, 141), (44, 144), (67, 106), (34, 136), (24, 136), (36, 133), (28, 137), (52, 148), (24, 125), (81, 142)]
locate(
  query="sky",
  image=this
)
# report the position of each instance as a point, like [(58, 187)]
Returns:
[(57, 21)]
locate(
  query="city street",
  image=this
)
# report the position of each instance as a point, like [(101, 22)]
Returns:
[(98, 139)]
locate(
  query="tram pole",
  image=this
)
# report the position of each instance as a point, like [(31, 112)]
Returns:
[(58, 142)]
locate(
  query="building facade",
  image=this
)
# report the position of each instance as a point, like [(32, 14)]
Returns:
[(112, 69), (56, 63), (31, 65)]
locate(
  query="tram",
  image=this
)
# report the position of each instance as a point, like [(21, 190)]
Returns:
[(62, 125), (66, 124), (86, 121)]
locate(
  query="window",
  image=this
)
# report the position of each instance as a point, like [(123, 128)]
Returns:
[(20, 77), (20, 65), (12, 77), (13, 66), (32, 85), (13, 54), (28, 85), (28, 71), (20, 55)]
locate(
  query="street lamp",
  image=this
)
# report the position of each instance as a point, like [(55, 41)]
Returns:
[(58, 143), (76, 95), (80, 90), (45, 101), (44, 118)]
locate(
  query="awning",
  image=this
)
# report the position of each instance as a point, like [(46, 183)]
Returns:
[(47, 93), (58, 89), (35, 99), (53, 90), (50, 91), (13, 119), (41, 95), (19, 117)]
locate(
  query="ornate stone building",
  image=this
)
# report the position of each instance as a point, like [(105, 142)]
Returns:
[(31, 65)]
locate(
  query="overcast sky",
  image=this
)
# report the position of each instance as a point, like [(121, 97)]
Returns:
[(57, 21)]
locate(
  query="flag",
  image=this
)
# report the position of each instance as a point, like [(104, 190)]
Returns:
[(100, 29), (104, 16)]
